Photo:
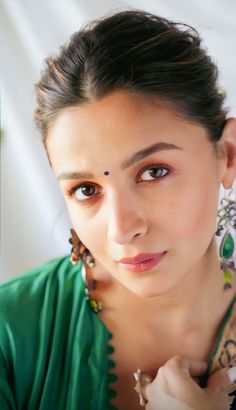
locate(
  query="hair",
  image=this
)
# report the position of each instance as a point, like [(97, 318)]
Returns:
[(139, 52)]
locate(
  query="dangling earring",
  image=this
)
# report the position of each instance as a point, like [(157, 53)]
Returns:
[(79, 251), (226, 220)]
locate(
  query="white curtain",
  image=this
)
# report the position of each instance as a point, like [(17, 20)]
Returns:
[(34, 222)]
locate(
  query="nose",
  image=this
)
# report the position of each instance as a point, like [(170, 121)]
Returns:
[(125, 219)]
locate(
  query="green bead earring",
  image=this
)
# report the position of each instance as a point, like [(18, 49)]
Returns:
[(226, 252), (226, 220)]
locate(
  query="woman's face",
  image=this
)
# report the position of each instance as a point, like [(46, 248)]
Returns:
[(161, 193)]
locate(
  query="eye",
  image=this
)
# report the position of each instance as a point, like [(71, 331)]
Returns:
[(83, 192), (153, 172)]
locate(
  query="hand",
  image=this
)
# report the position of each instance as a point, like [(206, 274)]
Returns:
[(174, 388)]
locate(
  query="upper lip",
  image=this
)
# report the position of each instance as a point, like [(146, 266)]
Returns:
[(141, 257)]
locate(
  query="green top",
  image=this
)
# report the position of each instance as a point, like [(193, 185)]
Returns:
[(54, 350)]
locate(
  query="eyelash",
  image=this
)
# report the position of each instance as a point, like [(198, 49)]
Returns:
[(71, 192)]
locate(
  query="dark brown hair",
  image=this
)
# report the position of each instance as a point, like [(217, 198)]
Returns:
[(139, 52)]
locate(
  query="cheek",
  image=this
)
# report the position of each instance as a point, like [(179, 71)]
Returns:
[(193, 214), (207, 206), (203, 223), (89, 231), (80, 224)]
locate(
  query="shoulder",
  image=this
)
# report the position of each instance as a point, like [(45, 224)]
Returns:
[(44, 290), (41, 271), (52, 273)]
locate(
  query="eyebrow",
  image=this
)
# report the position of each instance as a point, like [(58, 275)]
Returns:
[(137, 156)]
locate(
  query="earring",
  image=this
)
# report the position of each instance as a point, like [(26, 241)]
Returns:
[(226, 221), (80, 252)]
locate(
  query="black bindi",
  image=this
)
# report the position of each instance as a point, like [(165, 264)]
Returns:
[(106, 172)]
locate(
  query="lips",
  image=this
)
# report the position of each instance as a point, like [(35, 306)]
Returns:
[(140, 258), (142, 262)]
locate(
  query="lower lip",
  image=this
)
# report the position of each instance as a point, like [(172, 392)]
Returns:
[(143, 266)]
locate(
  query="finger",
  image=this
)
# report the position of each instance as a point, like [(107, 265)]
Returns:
[(231, 372), (175, 378), (177, 367), (220, 382), (185, 367), (218, 388)]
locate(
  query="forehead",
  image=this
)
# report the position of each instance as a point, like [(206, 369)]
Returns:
[(119, 123), (115, 109)]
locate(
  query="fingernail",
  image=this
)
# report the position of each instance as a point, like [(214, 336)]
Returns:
[(232, 374)]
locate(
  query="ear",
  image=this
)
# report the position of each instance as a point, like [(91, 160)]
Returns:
[(227, 149)]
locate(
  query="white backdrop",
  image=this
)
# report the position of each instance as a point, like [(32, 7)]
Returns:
[(34, 222)]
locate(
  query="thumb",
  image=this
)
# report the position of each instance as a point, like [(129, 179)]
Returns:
[(220, 382)]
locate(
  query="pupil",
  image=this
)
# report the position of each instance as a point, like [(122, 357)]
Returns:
[(87, 190), (155, 172)]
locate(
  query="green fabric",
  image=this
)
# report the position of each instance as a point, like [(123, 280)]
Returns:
[(53, 348)]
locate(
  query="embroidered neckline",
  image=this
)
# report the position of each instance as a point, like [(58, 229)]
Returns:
[(220, 334), (111, 364), (111, 375)]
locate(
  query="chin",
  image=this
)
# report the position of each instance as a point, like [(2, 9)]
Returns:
[(149, 288), (148, 295), (145, 291)]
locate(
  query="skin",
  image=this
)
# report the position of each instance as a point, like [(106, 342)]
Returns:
[(173, 388), (132, 211)]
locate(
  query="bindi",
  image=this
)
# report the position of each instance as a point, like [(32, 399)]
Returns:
[(106, 172)]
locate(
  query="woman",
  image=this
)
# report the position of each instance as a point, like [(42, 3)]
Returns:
[(134, 127)]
